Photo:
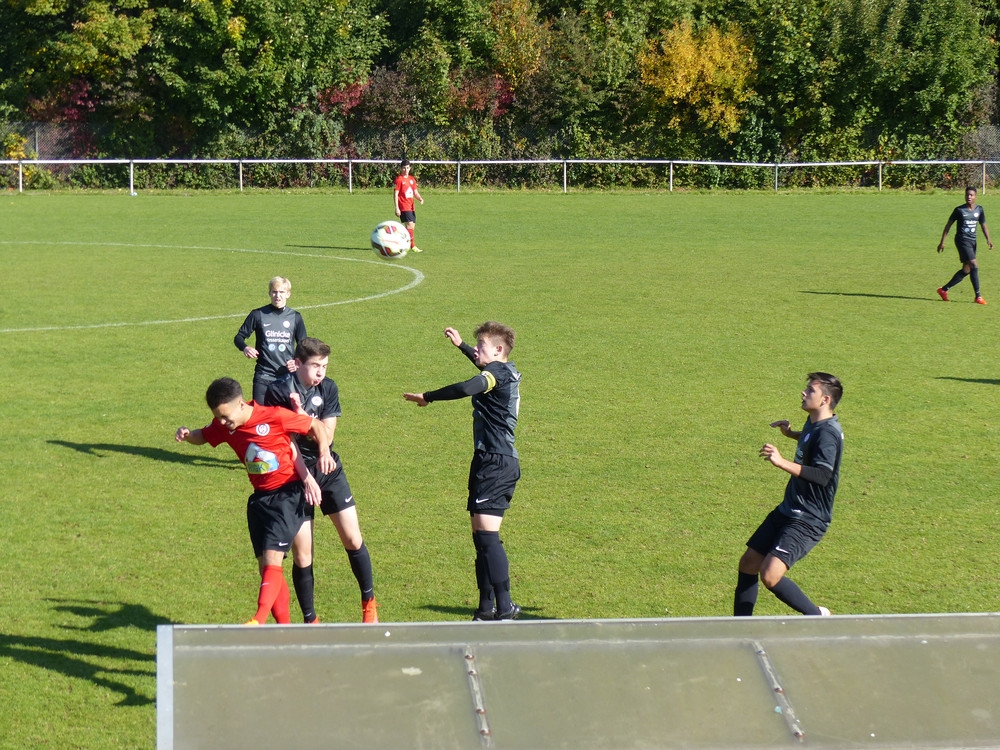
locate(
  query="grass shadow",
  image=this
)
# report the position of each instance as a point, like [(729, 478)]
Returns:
[(982, 381), (527, 613), (328, 247), (83, 660), (873, 296), (156, 454)]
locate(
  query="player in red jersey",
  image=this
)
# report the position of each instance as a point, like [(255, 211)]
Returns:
[(261, 439), (403, 193)]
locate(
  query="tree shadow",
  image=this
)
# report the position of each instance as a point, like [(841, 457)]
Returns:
[(872, 296), (84, 660), (156, 454), (982, 381), (527, 613)]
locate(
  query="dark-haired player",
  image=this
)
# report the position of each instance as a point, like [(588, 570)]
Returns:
[(309, 391), (802, 518), (968, 217), (404, 191), (261, 437), (276, 328), (495, 466)]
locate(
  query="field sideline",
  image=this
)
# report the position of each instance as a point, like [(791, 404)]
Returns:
[(658, 335)]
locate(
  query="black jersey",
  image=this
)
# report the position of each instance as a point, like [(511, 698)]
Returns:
[(321, 401), (966, 220), (820, 444), (495, 410), (277, 332)]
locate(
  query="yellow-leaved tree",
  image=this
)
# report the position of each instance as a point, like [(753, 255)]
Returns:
[(700, 77)]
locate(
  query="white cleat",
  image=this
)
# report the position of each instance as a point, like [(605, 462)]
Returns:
[(824, 612)]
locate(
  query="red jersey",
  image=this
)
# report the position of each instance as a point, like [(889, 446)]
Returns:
[(405, 187), (263, 444)]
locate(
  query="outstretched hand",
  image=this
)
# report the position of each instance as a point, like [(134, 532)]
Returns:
[(783, 425), (453, 336), (417, 398), (771, 453)]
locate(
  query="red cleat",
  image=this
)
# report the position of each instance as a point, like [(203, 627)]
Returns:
[(980, 301), (369, 611), (942, 294)]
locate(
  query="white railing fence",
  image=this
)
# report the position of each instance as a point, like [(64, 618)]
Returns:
[(348, 165)]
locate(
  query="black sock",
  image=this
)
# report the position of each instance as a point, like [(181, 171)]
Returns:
[(788, 591), (497, 568), (486, 601), (746, 594), (956, 279), (974, 273), (302, 580), (361, 565)]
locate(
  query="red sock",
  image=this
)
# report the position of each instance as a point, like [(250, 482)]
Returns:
[(280, 609), (413, 238), (271, 581)]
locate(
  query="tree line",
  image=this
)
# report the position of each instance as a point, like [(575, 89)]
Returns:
[(740, 80)]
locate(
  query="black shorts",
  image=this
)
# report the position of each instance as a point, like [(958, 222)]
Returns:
[(274, 517), (336, 491), (408, 217), (966, 251), (788, 539), (492, 477)]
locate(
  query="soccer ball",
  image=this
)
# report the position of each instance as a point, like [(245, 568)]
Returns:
[(390, 240)]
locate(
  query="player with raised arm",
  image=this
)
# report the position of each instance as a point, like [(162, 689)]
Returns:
[(309, 391), (261, 438), (495, 468), (968, 217), (792, 529)]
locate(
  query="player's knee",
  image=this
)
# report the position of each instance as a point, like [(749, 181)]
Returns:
[(770, 577)]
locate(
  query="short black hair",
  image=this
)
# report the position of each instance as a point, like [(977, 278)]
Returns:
[(404, 162), (829, 384), (310, 347), (222, 391)]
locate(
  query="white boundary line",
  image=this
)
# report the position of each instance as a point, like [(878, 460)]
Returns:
[(418, 277)]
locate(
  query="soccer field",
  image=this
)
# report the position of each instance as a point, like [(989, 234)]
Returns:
[(658, 335)]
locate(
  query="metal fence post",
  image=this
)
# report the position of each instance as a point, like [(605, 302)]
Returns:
[(880, 177), (131, 177), (458, 178), (350, 176), (20, 176), (241, 175), (984, 177), (671, 177), (776, 177)]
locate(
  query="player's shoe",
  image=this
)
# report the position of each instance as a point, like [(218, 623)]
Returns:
[(980, 301), (484, 615), (824, 611), (511, 614), (369, 611), (942, 293), (251, 621), (415, 249), (314, 621)]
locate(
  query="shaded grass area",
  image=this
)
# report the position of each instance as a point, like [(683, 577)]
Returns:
[(658, 336)]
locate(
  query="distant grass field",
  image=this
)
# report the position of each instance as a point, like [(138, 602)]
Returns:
[(658, 335)]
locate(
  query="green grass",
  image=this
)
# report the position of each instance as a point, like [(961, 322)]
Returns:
[(658, 334)]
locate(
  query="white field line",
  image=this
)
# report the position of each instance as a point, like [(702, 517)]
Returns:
[(418, 277)]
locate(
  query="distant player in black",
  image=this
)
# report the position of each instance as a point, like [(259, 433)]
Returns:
[(309, 391), (967, 216), (495, 467), (802, 518), (277, 329)]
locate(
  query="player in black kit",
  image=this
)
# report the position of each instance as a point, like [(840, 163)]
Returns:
[(495, 467), (309, 391), (967, 216), (277, 330), (804, 515)]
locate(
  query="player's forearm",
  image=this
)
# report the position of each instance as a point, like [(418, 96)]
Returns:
[(468, 351), (457, 390)]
